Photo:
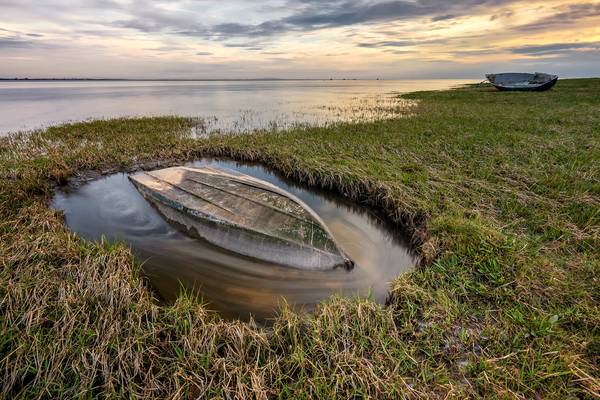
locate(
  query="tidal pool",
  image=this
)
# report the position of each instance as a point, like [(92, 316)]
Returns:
[(236, 286)]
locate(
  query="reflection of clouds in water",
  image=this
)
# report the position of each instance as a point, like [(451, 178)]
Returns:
[(118, 203), (232, 284), (352, 240), (327, 207)]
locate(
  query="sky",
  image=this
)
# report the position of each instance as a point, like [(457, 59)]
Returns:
[(200, 39)]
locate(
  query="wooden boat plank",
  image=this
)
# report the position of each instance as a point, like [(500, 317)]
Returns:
[(174, 196), (246, 212), (262, 191), (254, 182), (254, 200)]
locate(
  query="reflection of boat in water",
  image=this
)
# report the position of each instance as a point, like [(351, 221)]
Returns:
[(242, 214), (537, 82)]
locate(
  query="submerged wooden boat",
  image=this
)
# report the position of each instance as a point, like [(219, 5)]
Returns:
[(537, 82), (242, 214)]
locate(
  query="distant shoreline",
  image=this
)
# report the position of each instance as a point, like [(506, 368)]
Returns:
[(239, 79), (218, 80), (180, 80)]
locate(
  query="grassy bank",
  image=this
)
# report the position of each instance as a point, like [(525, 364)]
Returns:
[(500, 191)]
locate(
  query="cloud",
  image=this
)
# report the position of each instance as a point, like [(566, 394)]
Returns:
[(346, 13), (387, 43), (502, 14), (7, 42), (564, 15), (307, 15), (224, 31), (350, 13), (246, 46), (555, 48), (475, 53), (21, 42), (167, 49), (443, 17), (403, 43)]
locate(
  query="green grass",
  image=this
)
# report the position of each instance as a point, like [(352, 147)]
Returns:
[(499, 191)]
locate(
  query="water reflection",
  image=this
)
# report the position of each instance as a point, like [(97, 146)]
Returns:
[(219, 106), (233, 285)]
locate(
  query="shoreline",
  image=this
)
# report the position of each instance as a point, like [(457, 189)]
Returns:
[(240, 106)]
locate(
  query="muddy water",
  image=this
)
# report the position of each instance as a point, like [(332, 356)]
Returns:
[(236, 286)]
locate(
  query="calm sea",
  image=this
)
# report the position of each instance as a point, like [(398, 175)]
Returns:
[(239, 106)]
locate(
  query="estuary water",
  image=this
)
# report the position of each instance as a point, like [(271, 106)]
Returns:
[(237, 286), (219, 106)]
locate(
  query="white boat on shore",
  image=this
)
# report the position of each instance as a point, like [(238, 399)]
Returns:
[(537, 82)]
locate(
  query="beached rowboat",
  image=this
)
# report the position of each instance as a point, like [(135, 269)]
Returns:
[(242, 214), (537, 82)]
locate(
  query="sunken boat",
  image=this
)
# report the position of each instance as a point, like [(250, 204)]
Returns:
[(242, 214), (537, 82)]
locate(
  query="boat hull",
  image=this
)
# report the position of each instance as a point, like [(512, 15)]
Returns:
[(521, 82), (533, 88), (237, 237)]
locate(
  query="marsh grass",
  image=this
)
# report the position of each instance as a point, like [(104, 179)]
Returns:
[(500, 192)]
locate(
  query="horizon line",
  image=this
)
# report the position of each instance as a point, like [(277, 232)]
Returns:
[(222, 79)]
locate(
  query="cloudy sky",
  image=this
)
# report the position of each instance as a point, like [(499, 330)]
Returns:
[(297, 38)]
